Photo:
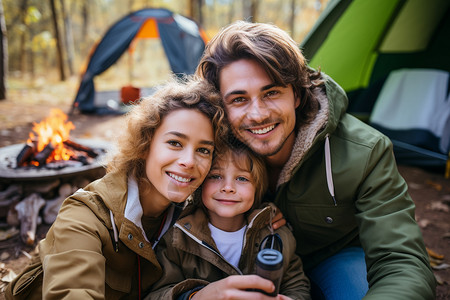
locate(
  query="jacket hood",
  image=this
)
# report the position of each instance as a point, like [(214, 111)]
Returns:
[(325, 123), (103, 194)]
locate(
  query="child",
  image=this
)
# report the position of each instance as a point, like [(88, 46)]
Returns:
[(101, 244), (221, 236)]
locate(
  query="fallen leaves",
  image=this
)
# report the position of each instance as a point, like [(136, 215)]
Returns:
[(439, 206), (437, 263), (6, 275), (434, 185)]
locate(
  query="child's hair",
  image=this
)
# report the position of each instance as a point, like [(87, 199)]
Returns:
[(146, 116), (244, 157)]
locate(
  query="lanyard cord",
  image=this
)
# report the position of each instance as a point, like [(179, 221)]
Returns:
[(163, 222), (161, 226)]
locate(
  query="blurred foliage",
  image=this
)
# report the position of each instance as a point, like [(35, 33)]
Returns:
[(32, 46)]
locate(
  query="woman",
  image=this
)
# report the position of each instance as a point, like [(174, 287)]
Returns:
[(104, 235)]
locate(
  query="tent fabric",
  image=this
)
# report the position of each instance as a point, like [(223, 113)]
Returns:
[(364, 44), (181, 38), (413, 104), (352, 36)]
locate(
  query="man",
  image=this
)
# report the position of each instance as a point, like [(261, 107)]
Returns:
[(334, 178)]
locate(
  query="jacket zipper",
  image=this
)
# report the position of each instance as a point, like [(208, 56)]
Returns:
[(209, 247)]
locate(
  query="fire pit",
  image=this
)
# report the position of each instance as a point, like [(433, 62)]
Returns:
[(50, 152), (9, 171), (36, 176)]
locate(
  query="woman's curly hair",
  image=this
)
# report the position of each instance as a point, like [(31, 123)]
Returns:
[(146, 116)]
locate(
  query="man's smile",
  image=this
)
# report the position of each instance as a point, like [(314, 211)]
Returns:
[(262, 130)]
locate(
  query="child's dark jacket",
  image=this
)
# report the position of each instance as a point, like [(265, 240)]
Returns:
[(189, 256)]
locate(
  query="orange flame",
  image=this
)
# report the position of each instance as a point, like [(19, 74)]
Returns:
[(53, 130)]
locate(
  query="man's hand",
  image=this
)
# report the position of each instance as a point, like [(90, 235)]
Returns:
[(278, 220)]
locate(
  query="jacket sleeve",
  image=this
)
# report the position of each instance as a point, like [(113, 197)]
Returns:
[(173, 283), (294, 284), (397, 261), (71, 255)]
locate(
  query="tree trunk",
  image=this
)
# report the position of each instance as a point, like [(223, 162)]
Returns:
[(31, 59), (84, 31), (62, 74), (201, 4), (68, 41), (254, 10), (231, 12), (23, 40), (196, 11), (250, 9), (191, 9), (3, 54), (292, 18)]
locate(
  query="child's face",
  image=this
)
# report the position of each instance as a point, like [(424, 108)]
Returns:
[(228, 192), (180, 156)]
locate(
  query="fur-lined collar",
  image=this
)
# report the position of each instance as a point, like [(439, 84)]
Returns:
[(305, 137)]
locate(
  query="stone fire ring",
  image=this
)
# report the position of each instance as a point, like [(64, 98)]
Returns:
[(9, 154)]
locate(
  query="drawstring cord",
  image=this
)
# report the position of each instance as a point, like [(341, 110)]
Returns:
[(116, 236), (116, 248), (328, 168)]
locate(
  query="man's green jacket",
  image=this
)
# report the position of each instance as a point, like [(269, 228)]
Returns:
[(371, 206)]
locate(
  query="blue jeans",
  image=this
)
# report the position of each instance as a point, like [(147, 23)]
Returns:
[(340, 277)]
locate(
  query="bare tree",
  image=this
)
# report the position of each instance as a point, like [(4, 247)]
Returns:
[(85, 26), (201, 4), (195, 10), (250, 9), (62, 74), (292, 18), (3, 53), (68, 40), (190, 12), (23, 34), (231, 11)]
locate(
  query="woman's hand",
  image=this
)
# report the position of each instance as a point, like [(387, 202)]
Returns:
[(237, 287)]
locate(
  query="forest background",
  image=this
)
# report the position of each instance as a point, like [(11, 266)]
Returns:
[(50, 40), (44, 49)]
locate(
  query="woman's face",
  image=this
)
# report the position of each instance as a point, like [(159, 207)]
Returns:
[(179, 158)]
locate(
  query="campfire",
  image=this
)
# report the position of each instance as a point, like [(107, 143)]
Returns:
[(37, 176), (49, 144)]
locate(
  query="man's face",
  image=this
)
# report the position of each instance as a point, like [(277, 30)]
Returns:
[(261, 114)]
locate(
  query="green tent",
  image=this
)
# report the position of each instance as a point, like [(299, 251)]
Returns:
[(360, 43)]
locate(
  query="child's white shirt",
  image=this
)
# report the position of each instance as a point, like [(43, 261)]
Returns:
[(229, 244)]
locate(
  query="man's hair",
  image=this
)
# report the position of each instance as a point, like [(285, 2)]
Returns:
[(146, 116), (274, 50)]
